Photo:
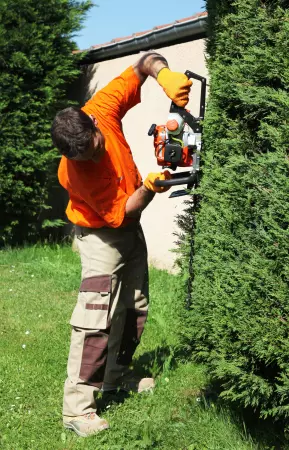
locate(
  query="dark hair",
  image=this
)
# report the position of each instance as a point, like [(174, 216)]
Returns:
[(72, 131)]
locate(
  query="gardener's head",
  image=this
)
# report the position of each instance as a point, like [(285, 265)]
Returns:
[(77, 136)]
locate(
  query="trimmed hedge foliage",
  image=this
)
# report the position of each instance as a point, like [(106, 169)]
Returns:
[(36, 68), (239, 318)]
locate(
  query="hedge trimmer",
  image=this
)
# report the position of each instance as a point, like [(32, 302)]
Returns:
[(178, 143)]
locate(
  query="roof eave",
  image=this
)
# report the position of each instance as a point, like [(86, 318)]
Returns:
[(173, 34)]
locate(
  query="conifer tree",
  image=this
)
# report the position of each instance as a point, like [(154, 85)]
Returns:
[(36, 68), (239, 317)]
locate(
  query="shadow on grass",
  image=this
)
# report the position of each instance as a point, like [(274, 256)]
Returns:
[(149, 364), (266, 434), (108, 399), (153, 363)]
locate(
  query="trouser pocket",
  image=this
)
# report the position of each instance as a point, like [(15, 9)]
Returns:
[(93, 303)]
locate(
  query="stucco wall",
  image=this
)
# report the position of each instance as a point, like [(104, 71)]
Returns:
[(158, 219)]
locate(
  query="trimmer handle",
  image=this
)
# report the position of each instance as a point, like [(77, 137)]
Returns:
[(179, 178), (193, 122)]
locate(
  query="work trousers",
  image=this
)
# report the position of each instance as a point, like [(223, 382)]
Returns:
[(109, 317)]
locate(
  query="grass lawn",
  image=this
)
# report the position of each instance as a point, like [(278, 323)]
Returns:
[(38, 290)]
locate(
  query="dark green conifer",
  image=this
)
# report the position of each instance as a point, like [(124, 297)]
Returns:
[(36, 68), (239, 318)]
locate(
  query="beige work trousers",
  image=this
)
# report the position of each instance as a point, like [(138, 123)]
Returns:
[(109, 317)]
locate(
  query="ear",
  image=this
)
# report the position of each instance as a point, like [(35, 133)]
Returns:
[(94, 120)]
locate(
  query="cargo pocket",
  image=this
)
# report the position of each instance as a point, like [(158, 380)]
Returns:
[(93, 303)]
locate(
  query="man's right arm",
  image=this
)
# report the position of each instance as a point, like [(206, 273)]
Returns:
[(140, 199)]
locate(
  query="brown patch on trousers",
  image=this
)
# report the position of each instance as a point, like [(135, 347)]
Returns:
[(133, 329), (98, 283), (94, 357), (93, 307)]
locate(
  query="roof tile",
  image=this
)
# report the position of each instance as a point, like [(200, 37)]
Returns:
[(158, 27), (140, 33)]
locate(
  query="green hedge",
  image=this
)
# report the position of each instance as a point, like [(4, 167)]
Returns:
[(239, 319), (36, 68)]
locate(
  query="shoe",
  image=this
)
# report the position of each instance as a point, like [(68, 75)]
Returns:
[(132, 385), (85, 425), (145, 385)]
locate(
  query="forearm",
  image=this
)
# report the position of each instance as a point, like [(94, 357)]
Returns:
[(138, 201), (150, 64)]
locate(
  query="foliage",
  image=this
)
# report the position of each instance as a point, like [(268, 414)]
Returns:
[(239, 321), (36, 67)]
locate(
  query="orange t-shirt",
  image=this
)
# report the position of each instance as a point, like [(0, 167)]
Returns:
[(98, 192)]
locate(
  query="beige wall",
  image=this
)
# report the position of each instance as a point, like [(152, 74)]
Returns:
[(158, 218)]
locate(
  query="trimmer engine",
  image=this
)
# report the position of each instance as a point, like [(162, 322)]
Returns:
[(179, 142)]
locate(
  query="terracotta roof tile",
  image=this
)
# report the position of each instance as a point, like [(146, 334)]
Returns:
[(141, 33), (121, 39), (158, 27), (186, 19), (100, 45)]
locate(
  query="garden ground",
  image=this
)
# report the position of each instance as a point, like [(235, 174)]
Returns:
[(37, 293)]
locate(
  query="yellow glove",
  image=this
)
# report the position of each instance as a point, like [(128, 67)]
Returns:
[(152, 177), (176, 85)]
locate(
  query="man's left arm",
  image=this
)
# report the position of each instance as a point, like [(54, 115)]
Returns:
[(123, 92), (150, 63), (175, 84)]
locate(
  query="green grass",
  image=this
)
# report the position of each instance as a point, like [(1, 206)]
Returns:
[(37, 294)]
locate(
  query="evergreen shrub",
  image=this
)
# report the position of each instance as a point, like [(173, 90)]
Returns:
[(239, 317), (36, 69)]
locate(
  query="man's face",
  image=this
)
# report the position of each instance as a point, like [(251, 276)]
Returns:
[(96, 148)]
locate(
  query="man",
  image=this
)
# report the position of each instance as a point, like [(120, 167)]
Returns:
[(107, 197)]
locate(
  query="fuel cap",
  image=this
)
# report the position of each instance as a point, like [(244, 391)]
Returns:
[(172, 125)]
